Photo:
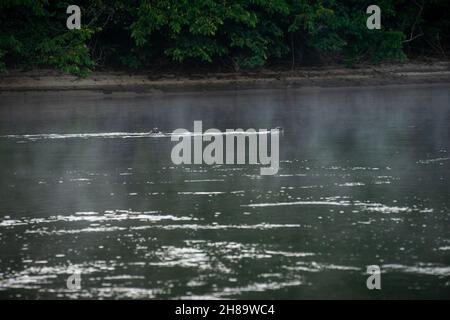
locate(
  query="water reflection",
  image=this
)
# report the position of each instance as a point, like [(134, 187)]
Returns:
[(364, 179)]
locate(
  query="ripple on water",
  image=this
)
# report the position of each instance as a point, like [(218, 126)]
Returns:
[(421, 268)]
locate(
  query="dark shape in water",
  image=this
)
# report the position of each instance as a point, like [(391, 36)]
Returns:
[(280, 130)]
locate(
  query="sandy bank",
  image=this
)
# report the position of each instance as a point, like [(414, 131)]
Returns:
[(108, 82)]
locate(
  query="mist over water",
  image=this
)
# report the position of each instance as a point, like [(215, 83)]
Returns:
[(364, 179)]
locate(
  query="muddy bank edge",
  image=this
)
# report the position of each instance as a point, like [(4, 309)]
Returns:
[(110, 82)]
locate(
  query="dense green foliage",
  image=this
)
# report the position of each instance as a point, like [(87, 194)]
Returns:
[(235, 34)]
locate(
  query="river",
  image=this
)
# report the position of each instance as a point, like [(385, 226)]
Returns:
[(364, 179)]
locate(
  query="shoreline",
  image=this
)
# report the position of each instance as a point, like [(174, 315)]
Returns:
[(110, 82)]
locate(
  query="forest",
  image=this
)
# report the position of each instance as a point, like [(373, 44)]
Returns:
[(218, 35)]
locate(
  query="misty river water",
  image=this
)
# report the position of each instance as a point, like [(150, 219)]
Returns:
[(364, 179)]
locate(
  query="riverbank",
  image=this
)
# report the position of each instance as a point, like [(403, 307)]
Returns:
[(108, 82)]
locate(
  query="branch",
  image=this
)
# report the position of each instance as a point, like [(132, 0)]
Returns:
[(413, 28)]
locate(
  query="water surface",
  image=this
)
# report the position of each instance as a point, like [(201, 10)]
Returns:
[(364, 180)]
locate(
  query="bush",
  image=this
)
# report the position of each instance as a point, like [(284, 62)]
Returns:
[(244, 34)]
